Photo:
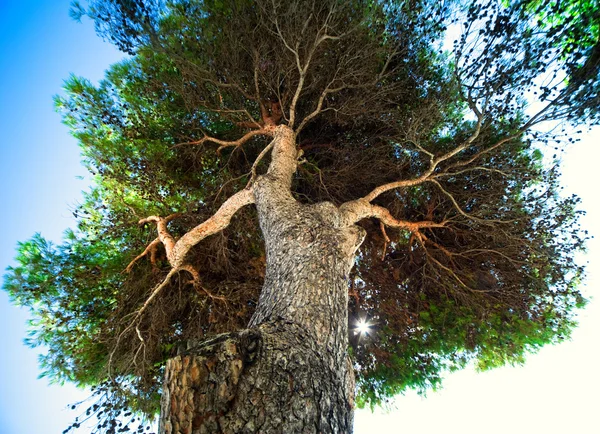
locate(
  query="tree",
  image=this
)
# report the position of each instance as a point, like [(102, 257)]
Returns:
[(270, 174)]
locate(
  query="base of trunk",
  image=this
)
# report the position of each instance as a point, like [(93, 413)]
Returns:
[(273, 378)]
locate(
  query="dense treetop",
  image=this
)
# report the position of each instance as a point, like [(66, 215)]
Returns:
[(473, 262)]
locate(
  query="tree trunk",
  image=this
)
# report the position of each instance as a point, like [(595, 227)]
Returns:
[(288, 372)]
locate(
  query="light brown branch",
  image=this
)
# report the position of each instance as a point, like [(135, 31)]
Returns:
[(356, 210), (257, 161), (176, 251), (164, 236), (426, 176), (150, 249), (229, 143), (217, 222), (470, 169)]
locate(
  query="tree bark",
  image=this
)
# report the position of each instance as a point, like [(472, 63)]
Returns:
[(288, 372)]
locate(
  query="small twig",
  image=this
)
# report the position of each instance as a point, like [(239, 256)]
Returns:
[(138, 314), (151, 248), (386, 239), (257, 161)]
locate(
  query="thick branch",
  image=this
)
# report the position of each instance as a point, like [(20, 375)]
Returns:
[(356, 210), (164, 235), (176, 251), (284, 157), (219, 221)]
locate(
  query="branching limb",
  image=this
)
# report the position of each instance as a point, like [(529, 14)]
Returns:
[(434, 163), (230, 143), (329, 89), (216, 223), (176, 253), (354, 211), (177, 250), (460, 210), (454, 275), (357, 210), (486, 151), (150, 249), (164, 236)]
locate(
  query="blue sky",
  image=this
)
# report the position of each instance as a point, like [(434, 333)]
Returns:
[(39, 162), (40, 46)]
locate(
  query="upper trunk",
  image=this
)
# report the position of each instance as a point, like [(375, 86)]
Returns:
[(309, 257), (289, 372)]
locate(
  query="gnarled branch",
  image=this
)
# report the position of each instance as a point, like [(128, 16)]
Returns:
[(266, 131), (216, 223), (356, 210)]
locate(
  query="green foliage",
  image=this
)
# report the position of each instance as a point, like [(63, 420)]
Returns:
[(477, 296), (68, 315)]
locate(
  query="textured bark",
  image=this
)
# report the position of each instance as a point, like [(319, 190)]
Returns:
[(270, 379), (289, 371)]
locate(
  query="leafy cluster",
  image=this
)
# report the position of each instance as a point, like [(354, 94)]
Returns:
[(374, 99)]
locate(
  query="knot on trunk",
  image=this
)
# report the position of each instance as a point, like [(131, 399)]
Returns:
[(271, 378), (202, 380)]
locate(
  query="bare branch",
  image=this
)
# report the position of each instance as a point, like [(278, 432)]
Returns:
[(454, 275), (356, 210), (257, 161), (386, 239), (485, 151), (318, 110), (217, 222), (150, 249), (229, 143), (138, 313), (470, 169), (432, 166), (460, 210)]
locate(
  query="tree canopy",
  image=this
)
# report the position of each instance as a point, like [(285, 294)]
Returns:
[(469, 253)]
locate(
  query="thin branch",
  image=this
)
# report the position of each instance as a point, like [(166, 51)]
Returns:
[(257, 161), (138, 313), (386, 239), (461, 211), (432, 166), (150, 249), (228, 143), (486, 150), (470, 169), (453, 274)]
